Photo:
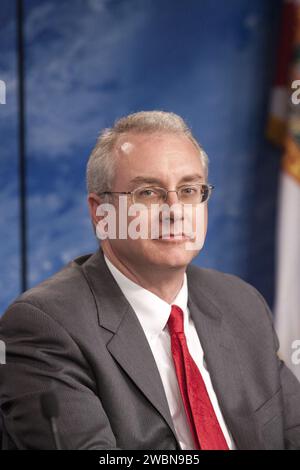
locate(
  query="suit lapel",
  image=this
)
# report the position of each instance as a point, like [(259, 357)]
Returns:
[(128, 344), (126, 340), (222, 361)]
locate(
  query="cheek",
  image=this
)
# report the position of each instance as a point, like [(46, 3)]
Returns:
[(195, 218), (200, 217), (205, 217), (199, 224)]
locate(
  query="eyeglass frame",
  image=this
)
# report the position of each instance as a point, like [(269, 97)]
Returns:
[(166, 191)]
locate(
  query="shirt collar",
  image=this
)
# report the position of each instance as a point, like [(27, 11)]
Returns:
[(152, 311)]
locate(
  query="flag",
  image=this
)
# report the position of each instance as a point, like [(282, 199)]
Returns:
[(284, 130)]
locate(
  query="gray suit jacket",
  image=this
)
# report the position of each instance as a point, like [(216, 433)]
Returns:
[(77, 332)]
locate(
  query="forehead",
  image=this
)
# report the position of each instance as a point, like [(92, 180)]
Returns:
[(157, 153), (131, 140)]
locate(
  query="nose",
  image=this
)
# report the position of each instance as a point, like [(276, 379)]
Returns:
[(172, 198), (176, 212)]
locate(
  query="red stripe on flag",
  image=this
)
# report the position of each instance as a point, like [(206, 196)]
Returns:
[(285, 48)]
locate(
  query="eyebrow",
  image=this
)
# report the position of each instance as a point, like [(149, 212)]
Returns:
[(151, 180)]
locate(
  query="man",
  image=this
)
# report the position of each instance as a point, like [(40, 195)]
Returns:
[(142, 349)]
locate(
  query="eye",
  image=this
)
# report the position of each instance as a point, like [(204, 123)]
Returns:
[(146, 193), (189, 190)]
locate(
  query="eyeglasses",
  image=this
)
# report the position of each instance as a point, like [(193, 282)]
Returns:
[(188, 194)]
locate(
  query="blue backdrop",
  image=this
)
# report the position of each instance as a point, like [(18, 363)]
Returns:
[(87, 62)]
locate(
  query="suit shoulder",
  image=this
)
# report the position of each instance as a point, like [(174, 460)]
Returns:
[(65, 292), (214, 279), (229, 293)]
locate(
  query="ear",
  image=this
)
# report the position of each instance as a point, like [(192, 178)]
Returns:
[(93, 202)]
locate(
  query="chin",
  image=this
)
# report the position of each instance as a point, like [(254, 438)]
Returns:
[(173, 256)]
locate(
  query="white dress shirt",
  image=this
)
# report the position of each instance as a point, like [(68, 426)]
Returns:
[(153, 313)]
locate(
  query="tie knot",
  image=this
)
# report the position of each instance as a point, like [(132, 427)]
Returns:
[(175, 322)]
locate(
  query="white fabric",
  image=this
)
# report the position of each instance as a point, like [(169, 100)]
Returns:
[(287, 304), (153, 313)]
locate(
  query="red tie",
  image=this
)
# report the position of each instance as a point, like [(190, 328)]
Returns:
[(202, 420)]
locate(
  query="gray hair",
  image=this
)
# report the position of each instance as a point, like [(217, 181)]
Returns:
[(102, 161)]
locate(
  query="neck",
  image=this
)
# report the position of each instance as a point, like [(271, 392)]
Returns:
[(164, 283)]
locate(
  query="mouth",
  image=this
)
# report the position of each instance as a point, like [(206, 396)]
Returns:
[(173, 238)]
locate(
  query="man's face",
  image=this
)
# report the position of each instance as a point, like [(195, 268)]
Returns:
[(168, 161)]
